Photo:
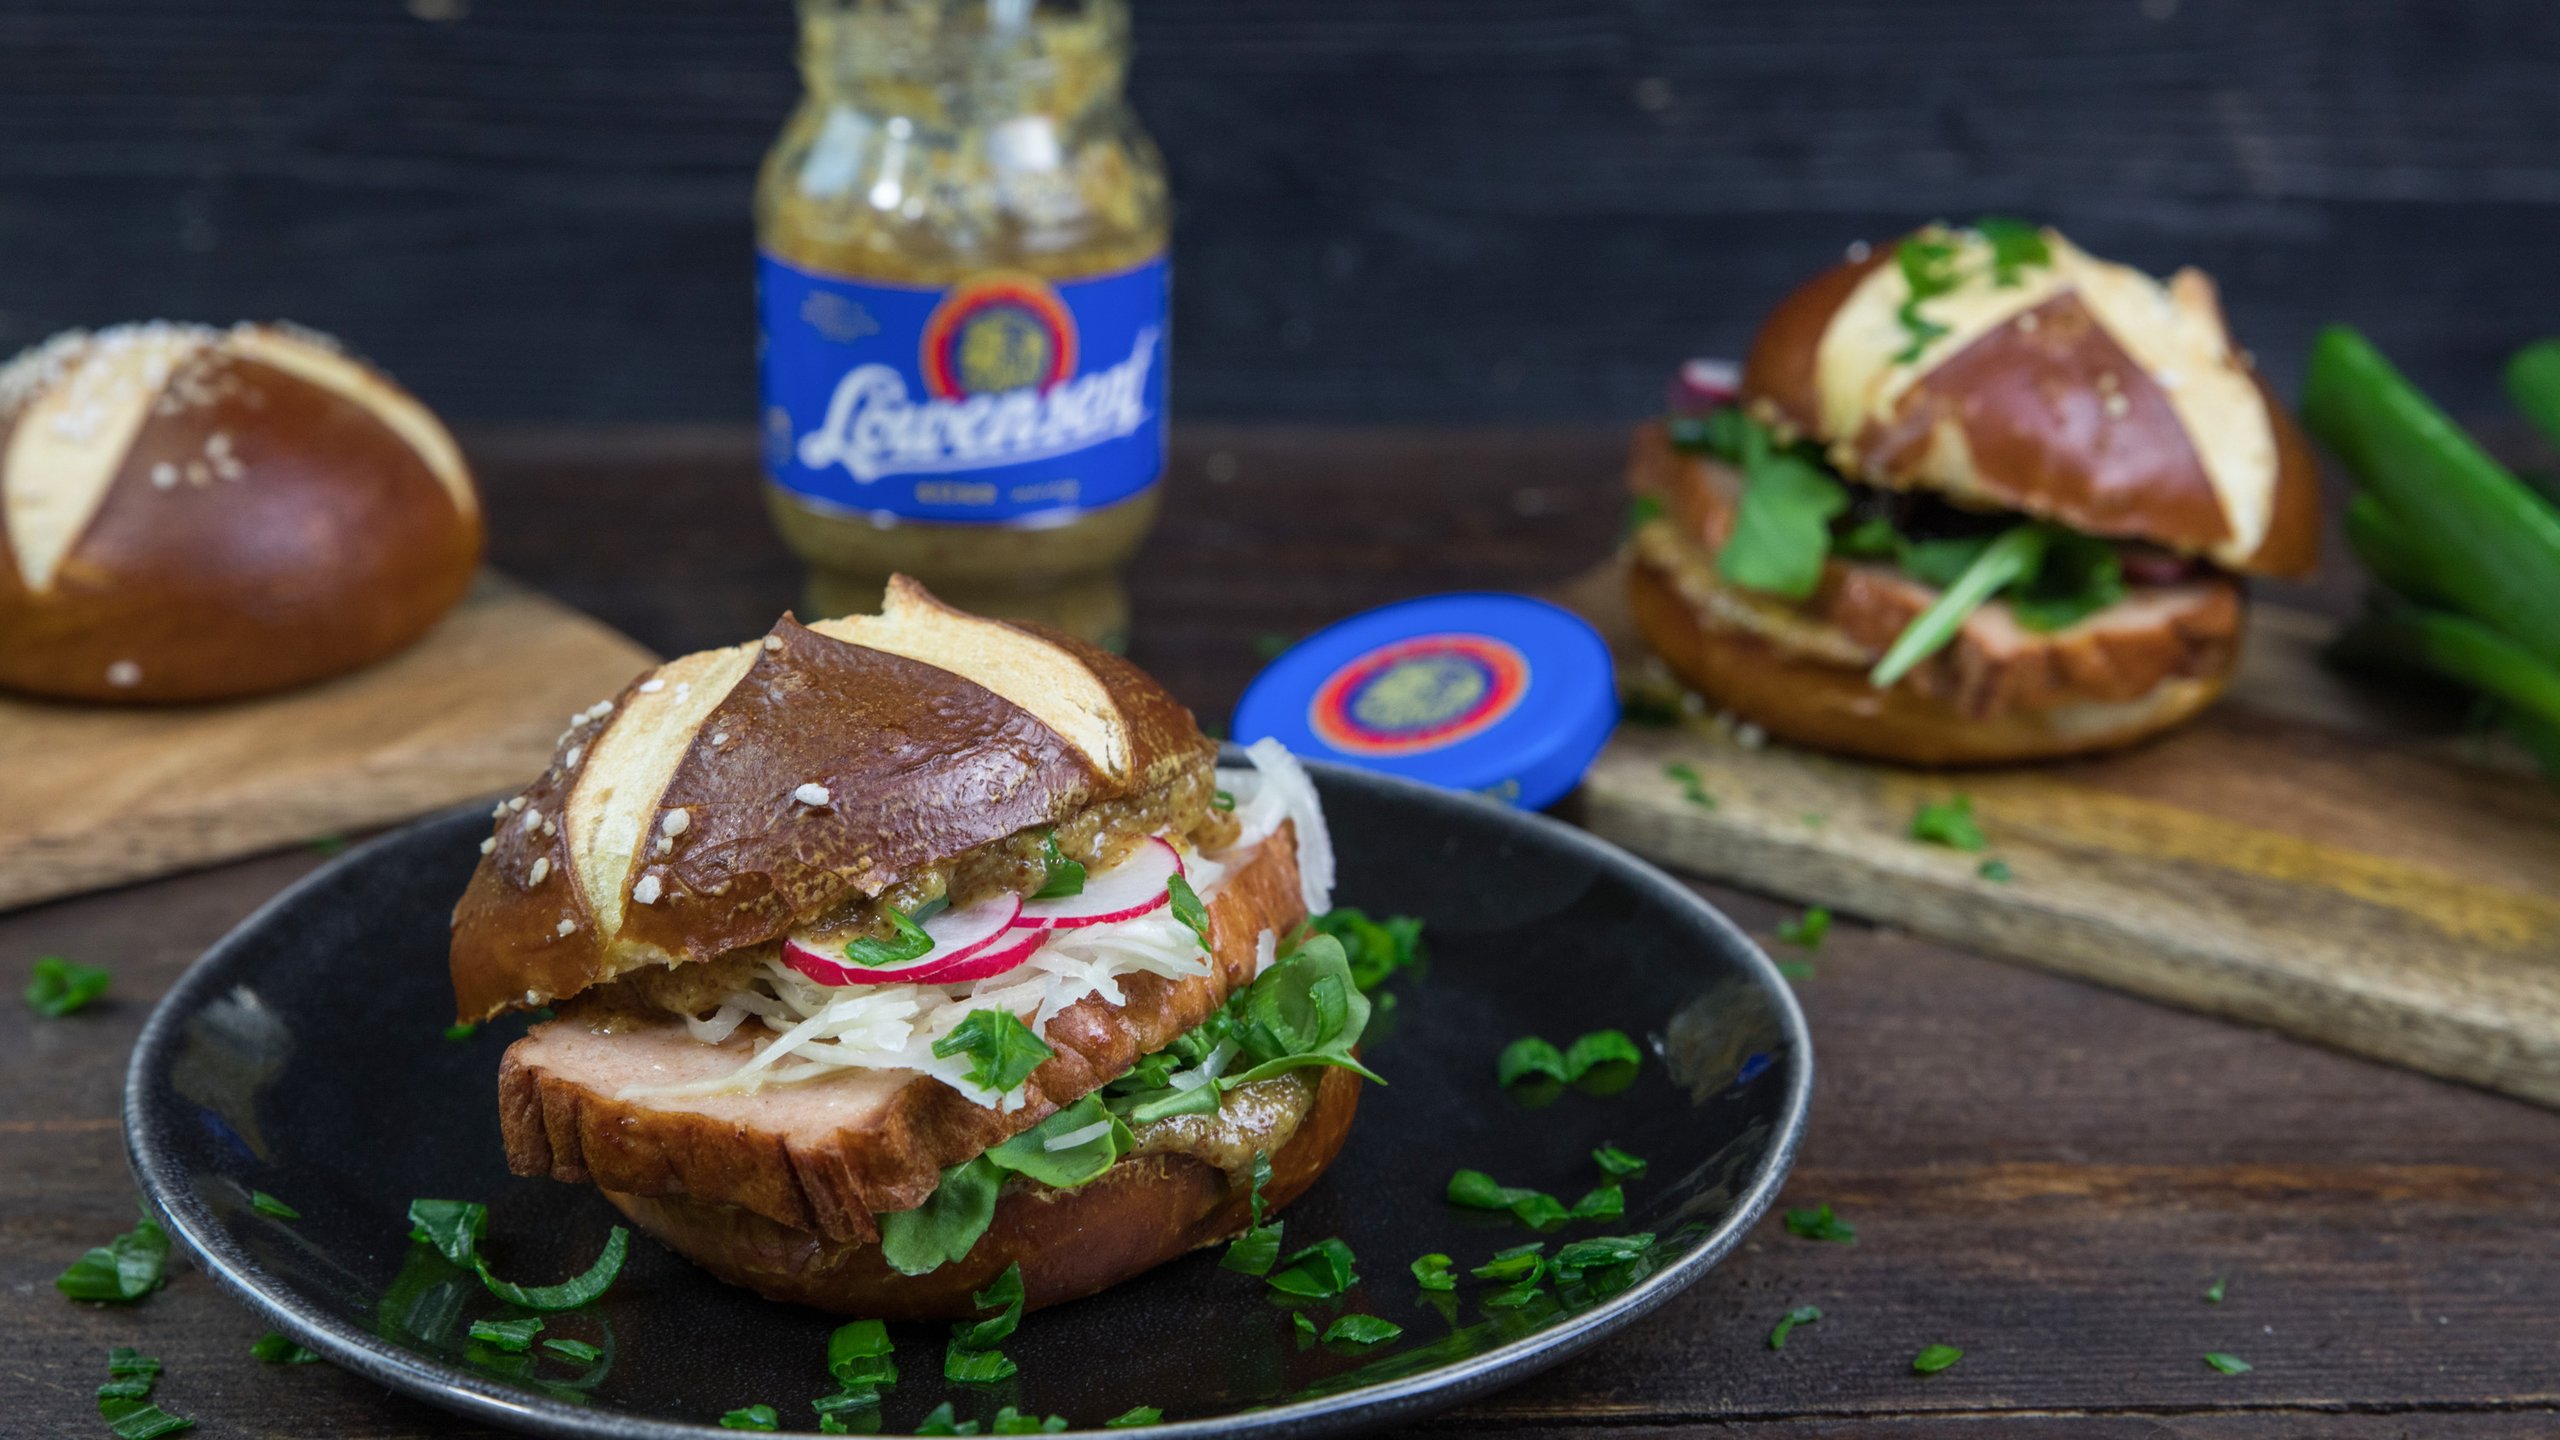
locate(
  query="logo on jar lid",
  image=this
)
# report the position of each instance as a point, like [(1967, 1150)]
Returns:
[(995, 333), (1417, 695)]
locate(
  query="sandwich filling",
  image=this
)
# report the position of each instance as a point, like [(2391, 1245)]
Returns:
[(998, 942)]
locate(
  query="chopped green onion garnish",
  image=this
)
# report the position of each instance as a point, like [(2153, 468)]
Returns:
[(1362, 1330), (57, 987), (1934, 1358), (266, 1204), (1801, 1315), (513, 1336), (121, 1271), (568, 1294), (1950, 823), (1819, 1223), (2227, 1364)]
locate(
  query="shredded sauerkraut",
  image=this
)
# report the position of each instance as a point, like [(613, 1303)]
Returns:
[(822, 1030)]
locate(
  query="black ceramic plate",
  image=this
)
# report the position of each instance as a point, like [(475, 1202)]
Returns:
[(305, 1055)]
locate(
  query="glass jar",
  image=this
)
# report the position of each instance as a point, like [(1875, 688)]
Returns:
[(962, 284)]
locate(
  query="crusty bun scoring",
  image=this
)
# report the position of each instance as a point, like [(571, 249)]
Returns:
[(195, 514), (700, 811), (1144, 1211), (2083, 392), (1998, 692)]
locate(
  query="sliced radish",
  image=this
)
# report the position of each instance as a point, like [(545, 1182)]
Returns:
[(1016, 947), (1124, 892), (1704, 385), (958, 936)]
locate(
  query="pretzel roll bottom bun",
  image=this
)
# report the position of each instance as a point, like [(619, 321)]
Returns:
[(197, 514), (1139, 1214)]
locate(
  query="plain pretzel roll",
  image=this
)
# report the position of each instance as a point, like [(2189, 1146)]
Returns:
[(195, 514)]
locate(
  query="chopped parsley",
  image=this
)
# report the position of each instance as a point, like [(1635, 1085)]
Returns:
[(123, 1270), (1605, 1203), (513, 1336), (124, 1402), (1934, 1358), (906, 942), (1948, 822), (266, 1204), (276, 1349), (453, 1227), (2015, 245), (1258, 1247), (1319, 1272), (571, 1293), (1188, 909), (1002, 1050), (2227, 1364), (1601, 1047), (1527, 1057), (1377, 949), (1693, 786), (1476, 1190), (1133, 1416), (1819, 1223), (1431, 1272), (752, 1417), (972, 1355), (1801, 1315), (57, 987), (1065, 877), (1519, 1263), (1615, 1163), (1362, 1330), (1995, 871), (1928, 264), (1806, 930), (1600, 1252)]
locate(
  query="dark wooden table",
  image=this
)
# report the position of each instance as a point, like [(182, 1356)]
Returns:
[(2045, 1174)]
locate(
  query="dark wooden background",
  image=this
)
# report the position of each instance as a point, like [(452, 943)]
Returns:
[(1453, 210)]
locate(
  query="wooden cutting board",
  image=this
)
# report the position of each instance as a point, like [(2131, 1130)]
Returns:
[(94, 795), (2310, 855)]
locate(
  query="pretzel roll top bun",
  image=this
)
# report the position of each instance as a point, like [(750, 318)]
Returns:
[(729, 796), (193, 514), (2074, 390)]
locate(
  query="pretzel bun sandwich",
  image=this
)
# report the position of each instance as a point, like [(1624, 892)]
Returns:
[(1979, 497), (893, 952), (196, 514)]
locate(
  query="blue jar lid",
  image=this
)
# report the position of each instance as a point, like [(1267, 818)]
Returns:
[(1500, 694)]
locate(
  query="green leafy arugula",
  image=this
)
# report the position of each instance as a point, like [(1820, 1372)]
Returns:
[(57, 987), (1782, 529), (1002, 1050), (947, 1225), (2052, 579), (123, 1270), (1306, 1010), (1030, 1152), (1186, 906)]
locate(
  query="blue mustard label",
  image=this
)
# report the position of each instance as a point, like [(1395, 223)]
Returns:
[(1005, 399), (1413, 696)]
